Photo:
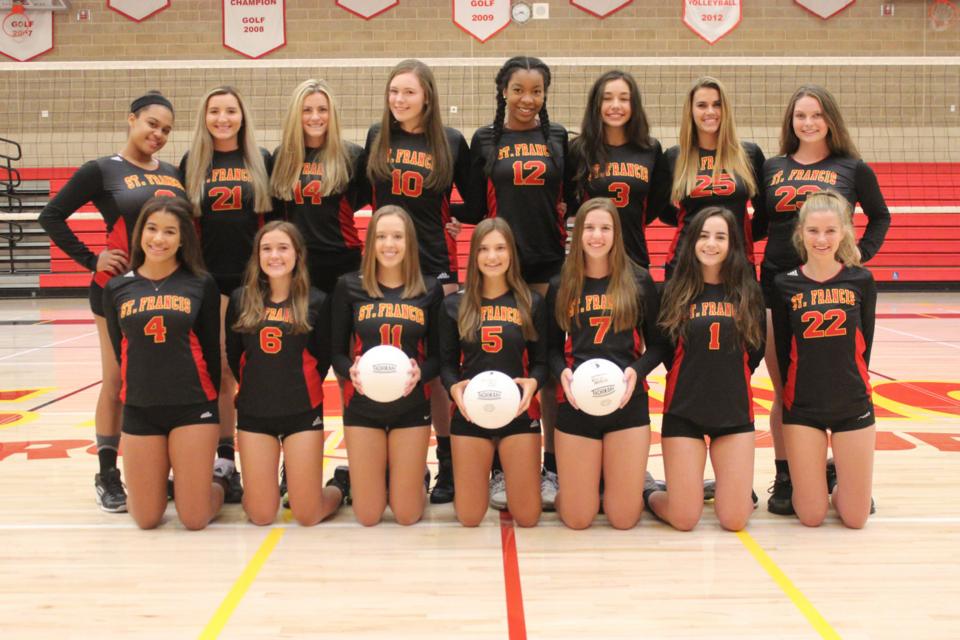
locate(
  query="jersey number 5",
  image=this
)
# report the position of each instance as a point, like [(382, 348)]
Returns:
[(816, 320), (271, 340), (155, 329), (491, 339), (602, 323)]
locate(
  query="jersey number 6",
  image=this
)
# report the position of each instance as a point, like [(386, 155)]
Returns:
[(271, 340)]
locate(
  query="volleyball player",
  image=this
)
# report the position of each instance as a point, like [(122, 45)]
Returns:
[(498, 324), (163, 318), (227, 179), (118, 185), (823, 320), (603, 307), (278, 346), (816, 153), (711, 166), (616, 157), (387, 302), (412, 161), (518, 162), (712, 310)]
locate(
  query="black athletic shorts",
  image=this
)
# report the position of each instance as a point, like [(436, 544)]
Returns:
[(832, 423), (96, 299), (522, 425), (161, 420), (325, 268), (376, 418), (677, 427), (578, 423), (540, 272), (227, 283), (282, 426)]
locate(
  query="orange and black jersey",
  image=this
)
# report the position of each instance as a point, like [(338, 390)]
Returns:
[(786, 184), (228, 221), (591, 335), (410, 165), (638, 182), (525, 187), (708, 382), (119, 190), (500, 345), (326, 222), (823, 333), (280, 373), (166, 336), (409, 324), (727, 191)]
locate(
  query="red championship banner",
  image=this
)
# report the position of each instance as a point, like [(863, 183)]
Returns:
[(712, 19), (254, 28), (482, 19), (367, 9), (138, 10), (824, 8), (600, 8), (24, 35)]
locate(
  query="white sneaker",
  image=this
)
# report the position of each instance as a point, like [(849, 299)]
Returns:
[(223, 468), (498, 491), (548, 490)]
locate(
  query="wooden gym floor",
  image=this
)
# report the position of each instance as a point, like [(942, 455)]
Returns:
[(68, 570)]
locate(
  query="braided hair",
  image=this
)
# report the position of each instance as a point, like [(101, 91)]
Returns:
[(506, 72)]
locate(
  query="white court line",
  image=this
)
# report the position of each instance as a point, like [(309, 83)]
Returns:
[(912, 335), (47, 346)]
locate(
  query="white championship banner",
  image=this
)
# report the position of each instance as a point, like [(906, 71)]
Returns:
[(482, 19), (600, 8), (367, 9), (254, 28), (138, 10), (711, 19), (24, 35), (824, 8)]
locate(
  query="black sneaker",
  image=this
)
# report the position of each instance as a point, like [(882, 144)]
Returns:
[(831, 475), (781, 496), (284, 494), (226, 471), (710, 492), (110, 494), (341, 480), (443, 488), (170, 486)]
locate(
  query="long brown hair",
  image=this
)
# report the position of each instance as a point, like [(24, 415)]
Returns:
[(256, 284), (829, 200), (838, 138), (623, 294), (736, 273), (413, 284), (378, 165), (189, 254), (468, 315)]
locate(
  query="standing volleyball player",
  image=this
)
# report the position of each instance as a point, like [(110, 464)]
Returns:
[(712, 310), (497, 324), (616, 157), (278, 346), (412, 161), (163, 317), (823, 321), (227, 179), (518, 174), (118, 185), (711, 166), (387, 302), (603, 307), (817, 153)]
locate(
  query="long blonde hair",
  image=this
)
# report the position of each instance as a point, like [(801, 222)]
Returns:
[(623, 294), (256, 284), (729, 158), (201, 155), (829, 200), (468, 316), (413, 284), (333, 156)]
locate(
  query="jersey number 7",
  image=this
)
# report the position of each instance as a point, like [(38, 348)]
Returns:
[(602, 323)]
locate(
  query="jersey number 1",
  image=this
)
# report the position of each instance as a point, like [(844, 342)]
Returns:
[(155, 329)]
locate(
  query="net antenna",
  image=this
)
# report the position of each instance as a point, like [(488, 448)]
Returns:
[(36, 5)]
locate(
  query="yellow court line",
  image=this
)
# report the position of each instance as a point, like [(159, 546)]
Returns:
[(239, 589), (799, 600)]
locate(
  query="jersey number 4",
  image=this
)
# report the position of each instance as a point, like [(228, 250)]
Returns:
[(271, 340), (155, 329), (816, 319), (311, 190)]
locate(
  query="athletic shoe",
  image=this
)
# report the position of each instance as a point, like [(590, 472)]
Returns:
[(753, 496), (549, 485), (341, 480), (831, 475), (443, 488), (650, 485), (498, 491), (226, 470), (284, 494), (110, 494), (170, 486), (781, 495), (710, 492)]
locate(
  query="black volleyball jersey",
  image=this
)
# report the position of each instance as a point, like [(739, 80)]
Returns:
[(786, 185), (709, 380), (526, 187), (824, 333), (729, 192), (638, 182), (410, 165), (280, 372), (500, 345), (641, 347), (166, 336), (326, 222), (228, 221), (118, 189), (407, 323)]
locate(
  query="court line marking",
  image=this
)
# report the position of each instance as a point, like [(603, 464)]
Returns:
[(912, 335), (239, 589), (64, 396), (516, 622), (817, 621), (47, 346)]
